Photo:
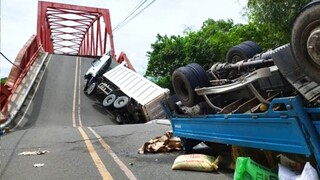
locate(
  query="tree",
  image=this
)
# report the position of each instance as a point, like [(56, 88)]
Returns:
[(167, 54), (207, 46), (269, 25), (275, 16)]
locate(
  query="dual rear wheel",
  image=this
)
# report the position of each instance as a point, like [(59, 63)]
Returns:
[(245, 50), (305, 40), (185, 79)]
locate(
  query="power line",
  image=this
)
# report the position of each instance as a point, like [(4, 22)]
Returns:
[(138, 13), (126, 21), (9, 61), (138, 6), (132, 12)]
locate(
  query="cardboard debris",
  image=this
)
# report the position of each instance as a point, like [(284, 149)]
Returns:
[(164, 143), (33, 153), (294, 165)]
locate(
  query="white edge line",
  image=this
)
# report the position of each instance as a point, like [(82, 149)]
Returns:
[(79, 91), (122, 166)]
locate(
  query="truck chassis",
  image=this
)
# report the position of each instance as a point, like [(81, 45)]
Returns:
[(291, 122)]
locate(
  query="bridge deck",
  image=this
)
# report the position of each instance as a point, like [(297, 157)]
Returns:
[(58, 117)]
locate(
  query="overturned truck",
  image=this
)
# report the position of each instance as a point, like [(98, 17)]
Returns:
[(129, 96), (265, 100)]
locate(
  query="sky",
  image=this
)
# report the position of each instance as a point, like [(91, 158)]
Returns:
[(166, 17)]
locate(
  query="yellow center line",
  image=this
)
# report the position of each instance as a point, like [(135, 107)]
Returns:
[(75, 95), (94, 155), (122, 166)]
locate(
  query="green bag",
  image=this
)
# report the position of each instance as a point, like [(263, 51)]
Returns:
[(247, 169)]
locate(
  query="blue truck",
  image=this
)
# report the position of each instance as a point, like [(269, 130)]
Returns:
[(265, 100)]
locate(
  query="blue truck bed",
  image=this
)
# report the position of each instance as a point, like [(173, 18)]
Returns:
[(292, 128)]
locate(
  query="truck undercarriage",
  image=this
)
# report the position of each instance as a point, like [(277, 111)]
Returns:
[(265, 100)]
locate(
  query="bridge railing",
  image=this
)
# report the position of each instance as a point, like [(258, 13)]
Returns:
[(25, 58)]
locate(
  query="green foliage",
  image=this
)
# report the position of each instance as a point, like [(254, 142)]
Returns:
[(165, 82), (167, 55), (3, 80), (269, 25), (277, 13), (207, 46), (276, 16), (204, 47)]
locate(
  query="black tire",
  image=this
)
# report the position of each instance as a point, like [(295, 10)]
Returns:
[(109, 100), (200, 73), (184, 82), (257, 49), (123, 118), (238, 53), (242, 51), (86, 84), (121, 102), (120, 119), (188, 144), (306, 21), (92, 87)]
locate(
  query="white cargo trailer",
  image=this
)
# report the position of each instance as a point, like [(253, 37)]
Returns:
[(147, 94), (131, 96)]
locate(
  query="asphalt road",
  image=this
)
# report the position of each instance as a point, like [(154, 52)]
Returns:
[(82, 139)]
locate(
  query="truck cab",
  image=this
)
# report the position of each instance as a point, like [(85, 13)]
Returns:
[(98, 67)]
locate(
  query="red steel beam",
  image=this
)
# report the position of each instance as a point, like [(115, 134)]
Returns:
[(123, 58), (72, 29)]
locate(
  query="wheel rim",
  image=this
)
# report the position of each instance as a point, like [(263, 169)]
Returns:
[(183, 92), (108, 100), (313, 46), (236, 58), (121, 102), (91, 88)]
